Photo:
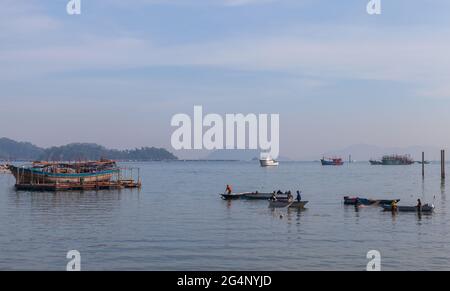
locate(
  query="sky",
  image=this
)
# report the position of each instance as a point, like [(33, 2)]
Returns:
[(117, 73)]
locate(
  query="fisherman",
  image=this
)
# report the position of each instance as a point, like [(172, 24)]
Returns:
[(279, 192), (299, 197), (289, 195), (394, 205), (274, 196), (419, 205), (228, 190)]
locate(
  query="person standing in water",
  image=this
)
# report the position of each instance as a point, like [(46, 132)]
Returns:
[(419, 205), (394, 205)]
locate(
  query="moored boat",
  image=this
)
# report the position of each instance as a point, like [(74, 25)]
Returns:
[(375, 162), (53, 173), (395, 160)]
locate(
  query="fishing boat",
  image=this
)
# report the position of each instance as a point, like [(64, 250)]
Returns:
[(331, 161), (262, 196), (424, 208), (395, 160), (233, 196), (280, 203), (375, 162), (364, 201), (55, 172), (424, 162)]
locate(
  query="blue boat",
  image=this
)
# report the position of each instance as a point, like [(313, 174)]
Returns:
[(331, 162)]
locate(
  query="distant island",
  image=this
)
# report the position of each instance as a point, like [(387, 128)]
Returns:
[(14, 150)]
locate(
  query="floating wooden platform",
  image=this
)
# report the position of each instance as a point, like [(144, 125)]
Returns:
[(110, 185)]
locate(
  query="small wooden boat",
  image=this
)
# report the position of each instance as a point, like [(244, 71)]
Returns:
[(262, 196), (364, 201), (280, 203), (425, 208), (298, 204), (353, 200), (233, 196)]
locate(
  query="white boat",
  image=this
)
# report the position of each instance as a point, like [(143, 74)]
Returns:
[(267, 161)]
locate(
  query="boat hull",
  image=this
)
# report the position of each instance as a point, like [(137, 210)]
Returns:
[(331, 162), (262, 196), (268, 163), (33, 176), (425, 208), (364, 201), (233, 196), (279, 204), (298, 204)]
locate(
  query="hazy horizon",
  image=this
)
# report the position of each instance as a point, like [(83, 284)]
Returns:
[(117, 73)]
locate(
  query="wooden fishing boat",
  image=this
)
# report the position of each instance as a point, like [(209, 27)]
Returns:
[(233, 196), (262, 196), (364, 201), (331, 161), (52, 173), (353, 200), (424, 208), (280, 203)]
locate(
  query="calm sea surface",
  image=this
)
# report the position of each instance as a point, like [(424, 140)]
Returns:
[(178, 222)]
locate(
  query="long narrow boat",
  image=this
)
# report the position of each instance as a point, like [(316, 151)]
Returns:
[(364, 201), (424, 208), (233, 196), (262, 196)]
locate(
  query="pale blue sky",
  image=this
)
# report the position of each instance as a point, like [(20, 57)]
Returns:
[(116, 74)]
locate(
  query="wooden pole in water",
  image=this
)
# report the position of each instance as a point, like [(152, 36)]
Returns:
[(442, 164), (423, 164)]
